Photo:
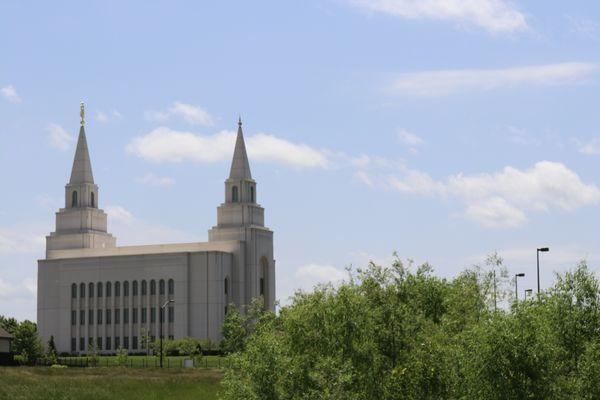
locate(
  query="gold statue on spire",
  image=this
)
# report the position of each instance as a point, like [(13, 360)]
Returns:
[(82, 113)]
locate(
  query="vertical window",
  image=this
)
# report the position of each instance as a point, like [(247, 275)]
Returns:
[(171, 314), (126, 342), (125, 288), (135, 315), (73, 317), (73, 345), (90, 290), (153, 315), (117, 289), (226, 285), (73, 291), (152, 287), (171, 337), (135, 343), (251, 194), (99, 289), (108, 317), (234, 194), (93, 200), (144, 315), (90, 342), (82, 290), (262, 286), (81, 344), (99, 343), (74, 199), (144, 288), (81, 317), (171, 287), (161, 287), (134, 288), (117, 316), (108, 289), (91, 317), (117, 342), (161, 314), (108, 343), (99, 317), (126, 315)]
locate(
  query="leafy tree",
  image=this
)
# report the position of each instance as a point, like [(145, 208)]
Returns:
[(9, 324), (189, 346), (50, 357), (93, 352), (26, 342), (233, 331), (145, 340), (122, 356)]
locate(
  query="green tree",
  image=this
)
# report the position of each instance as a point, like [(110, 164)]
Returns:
[(145, 340), (9, 324), (27, 343), (122, 357), (50, 357), (233, 331)]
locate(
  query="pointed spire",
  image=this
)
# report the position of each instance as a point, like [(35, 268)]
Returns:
[(82, 166), (240, 167)]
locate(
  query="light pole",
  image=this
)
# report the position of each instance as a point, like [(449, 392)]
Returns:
[(528, 292), (161, 317), (517, 276), (543, 250)]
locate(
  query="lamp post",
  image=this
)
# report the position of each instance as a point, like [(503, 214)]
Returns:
[(517, 276), (161, 317), (528, 292), (543, 250)]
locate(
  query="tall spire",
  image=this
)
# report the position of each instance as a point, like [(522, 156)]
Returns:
[(240, 167), (82, 166)]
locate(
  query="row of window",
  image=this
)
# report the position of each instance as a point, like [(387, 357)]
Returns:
[(106, 316), (106, 344), (235, 197), (106, 289), (74, 199)]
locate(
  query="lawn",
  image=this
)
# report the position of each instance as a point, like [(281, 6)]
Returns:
[(41, 383)]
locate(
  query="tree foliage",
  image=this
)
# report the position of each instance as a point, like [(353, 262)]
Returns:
[(400, 332)]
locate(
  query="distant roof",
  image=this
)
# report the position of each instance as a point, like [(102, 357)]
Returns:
[(4, 334)]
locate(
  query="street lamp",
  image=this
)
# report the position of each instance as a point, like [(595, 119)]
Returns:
[(543, 250), (528, 292), (520, 275), (161, 317)]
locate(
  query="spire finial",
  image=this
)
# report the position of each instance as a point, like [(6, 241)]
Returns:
[(82, 113), (240, 121)]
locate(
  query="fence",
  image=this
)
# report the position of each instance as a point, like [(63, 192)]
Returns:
[(140, 362)]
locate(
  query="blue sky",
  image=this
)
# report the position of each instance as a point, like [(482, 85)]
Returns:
[(442, 130)]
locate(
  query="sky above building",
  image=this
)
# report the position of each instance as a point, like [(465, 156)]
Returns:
[(442, 130)]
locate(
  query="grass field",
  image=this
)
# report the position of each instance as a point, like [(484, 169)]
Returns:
[(41, 383)]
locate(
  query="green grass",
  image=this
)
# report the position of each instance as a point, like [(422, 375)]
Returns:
[(151, 361), (114, 383)]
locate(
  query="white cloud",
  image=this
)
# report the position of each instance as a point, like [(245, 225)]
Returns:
[(10, 93), (583, 27), (591, 148), (307, 276), (30, 285), (6, 289), (118, 213), (21, 240), (501, 199), (167, 145), (409, 138), (521, 137), (194, 115), (104, 117), (495, 16), (154, 180), (445, 82), (59, 137)]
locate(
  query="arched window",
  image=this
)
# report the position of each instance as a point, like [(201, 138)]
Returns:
[(117, 289), (90, 290), (108, 289), (251, 194), (161, 287), (144, 288), (99, 289), (74, 199), (125, 288), (226, 286), (171, 286), (134, 288), (234, 194), (93, 200), (73, 291), (264, 275), (152, 287)]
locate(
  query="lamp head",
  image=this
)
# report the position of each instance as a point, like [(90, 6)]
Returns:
[(543, 249), (520, 275)]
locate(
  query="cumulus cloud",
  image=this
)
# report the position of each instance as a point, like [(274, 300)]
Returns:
[(166, 145), (59, 137), (154, 180), (501, 199), (494, 16), (10, 93), (309, 275), (445, 82), (21, 240), (194, 115), (104, 117), (590, 148), (118, 213)]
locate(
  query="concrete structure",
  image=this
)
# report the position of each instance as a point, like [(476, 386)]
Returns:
[(91, 291), (6, 356)]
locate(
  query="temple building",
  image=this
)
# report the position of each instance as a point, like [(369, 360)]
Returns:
[(93, 292)]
